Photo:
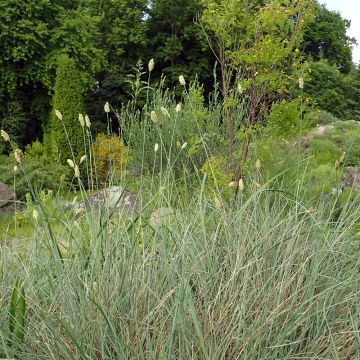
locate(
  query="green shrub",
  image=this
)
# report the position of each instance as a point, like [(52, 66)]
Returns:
[(110, 154), (321, 179), (37, 171), (352, 148), (325, 118), (217, 180), (286, 121), (324, 151)]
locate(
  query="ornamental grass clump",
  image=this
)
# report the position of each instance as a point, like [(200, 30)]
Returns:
[(267, 278)]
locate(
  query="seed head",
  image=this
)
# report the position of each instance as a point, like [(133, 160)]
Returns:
[(18, 155), (165, 112), (182, 80), (107, 107), (87, 121), (35, 214), (156, 147), (217, 202), (76, 171), (81, 120), (257, 164), (71, 163), (80, 211), (151, 65), (301, 83), (239, 88), (5, 135), (342, 158), (153, 117), (58, 114), (82, 159), (337, 164), (62, 178), (241, 185), (184, 145), (233, 184), (178, 145), (16, 169), (178, 108)]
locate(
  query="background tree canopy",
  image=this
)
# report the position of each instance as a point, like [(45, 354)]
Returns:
[(107, 38)]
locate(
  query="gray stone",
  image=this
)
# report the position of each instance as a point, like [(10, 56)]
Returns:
[(114, 197), (321, 130), (351, 178), (162, 216), (7, 198)]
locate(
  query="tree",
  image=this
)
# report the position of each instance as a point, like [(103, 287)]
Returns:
[(326, 38), (67, 144), (122, 38), (334, 91), (32, 36), (177, 43), (256, 45)]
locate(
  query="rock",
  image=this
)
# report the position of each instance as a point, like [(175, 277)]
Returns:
[(161, 216), (348, 122), (7, 198), (114, 197), (321, 130), (351, 178)]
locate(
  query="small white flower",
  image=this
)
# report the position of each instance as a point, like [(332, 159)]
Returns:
[(82, 159), (165, 112), (182, 80), (184, 145), (178, 108), (58, 114), (156, 147), (151, 65), (107, 107), (81, 120), (70, 162)]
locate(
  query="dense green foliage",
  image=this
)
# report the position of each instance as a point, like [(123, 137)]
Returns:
[(32, 36), (241, 236), (106, 39), (326, 38), (65, 137)]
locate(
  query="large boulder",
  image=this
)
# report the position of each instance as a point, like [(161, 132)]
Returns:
[(7, 198), (351, 178), (113, 198)]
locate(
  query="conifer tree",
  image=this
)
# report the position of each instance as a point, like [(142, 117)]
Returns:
[(68, 100)]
